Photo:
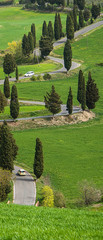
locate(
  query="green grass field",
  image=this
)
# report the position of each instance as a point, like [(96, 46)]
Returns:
[(29, 222)]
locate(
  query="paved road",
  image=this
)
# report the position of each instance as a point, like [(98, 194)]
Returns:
[(24, 189)]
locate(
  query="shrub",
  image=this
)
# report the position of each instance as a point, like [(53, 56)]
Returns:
[(48, 197), (33, 78), (5, 186), (47, 76), (59, 200), (39, 78)]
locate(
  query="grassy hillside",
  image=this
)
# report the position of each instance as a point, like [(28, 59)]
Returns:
[(23, 222)]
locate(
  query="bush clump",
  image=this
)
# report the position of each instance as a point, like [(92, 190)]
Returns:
[(5, 185), (47, 76), (47, 197), (59, 200), (33, 78)]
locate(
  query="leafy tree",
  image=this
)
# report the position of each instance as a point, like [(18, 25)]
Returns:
[(70, 102), (3, 102), (33, 31), (92, 93), (81, 19), (50, 30), (45, 45), (31, 42), (8, 64), (75, 17), (69, 27), (25, 46), (60, 25), (17, 75), (38, 160), (95, 10), (14, 104), (6, 87), (80, 84), (48, 197), (56, 28), (67, 55), (83, 103), (44, 29), (8, 148), (86, 14), (81, 4), (52, 101), (5, 186)]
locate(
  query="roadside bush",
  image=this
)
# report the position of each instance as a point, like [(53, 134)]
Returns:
[(47, 197), (5, 186), (33, 78), (47, 76), (39, 78), (59, 200)]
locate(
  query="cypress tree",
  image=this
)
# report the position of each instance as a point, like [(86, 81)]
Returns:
[(25, 45), (70, 102), (69, 27), (92, 93), (56, 28), (17, 75), (67, 55), (80, 84), (9, 64), (44, 29), (81, 4), (83, 103), (31, 42), (38, 159), (33, 31), (50, 30), (81, 19), (45, 45), (14, 104), (6, 87), (3, 101), (75, 18), (75, 2), (60, 25), (52, 101)]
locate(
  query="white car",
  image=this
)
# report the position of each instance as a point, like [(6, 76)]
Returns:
[(29, 74), (21, 172)]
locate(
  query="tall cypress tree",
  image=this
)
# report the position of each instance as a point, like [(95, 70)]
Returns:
[(33, 31), (92, 93), (25, 45), (16, 73), (3, 101), (14, 104), (44, 29), (6, 87), (69, 27), (50, 30), (75, 17), (70, 102), (38, 159), (67, 55), (80, 84), (81, 19), (45, 45), (9, 64), (31, 42), (83, 103), (56, 28), (81, 4), (60, 25)]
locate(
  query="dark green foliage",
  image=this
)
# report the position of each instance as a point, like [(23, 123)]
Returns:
[(17, 75), (83, 103), (70, 102), (14, 104), (95, 10), (47, 76), (6, 87), (38, 160), (45, 45), (5, 186), (75, 18), (81, 19), (25, 46), (3, 102), (80, 83), (9, 64), (75, 2), (44, 29), (33, 31), (67, 55), (59, 200), (8, 148), (81, 4), (52, 101), (50, 30), (56, 28), (69, 27), (31, 42), (92, 93), (86, 14), (60, 25), (67, 2)]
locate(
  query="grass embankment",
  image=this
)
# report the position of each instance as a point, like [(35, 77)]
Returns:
[(28, 222)]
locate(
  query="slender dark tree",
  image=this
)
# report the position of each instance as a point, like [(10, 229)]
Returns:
[(6, 87), (67, 55), (38, 159), (75, 18), (25, 46), (80, 83), (86, 14), (70, 102), (56, 28), (44, 29), (92, 93), (52, 101), (9, 64), (95, 10), (33, 31), (16, 73), (8, 148), (50, 30), (31, 42), (67, 2), (83, 103), (45, 45), (3, 101), (69, 27), (81, 4), (81, 19), (60, 25), (14, 104)]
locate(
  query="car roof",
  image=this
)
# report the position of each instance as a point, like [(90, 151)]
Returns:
[(21, 170)]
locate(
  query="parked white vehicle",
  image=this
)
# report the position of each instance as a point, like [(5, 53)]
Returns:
[(29, 74)]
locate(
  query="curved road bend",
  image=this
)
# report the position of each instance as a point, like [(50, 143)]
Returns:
[(24, 189)]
